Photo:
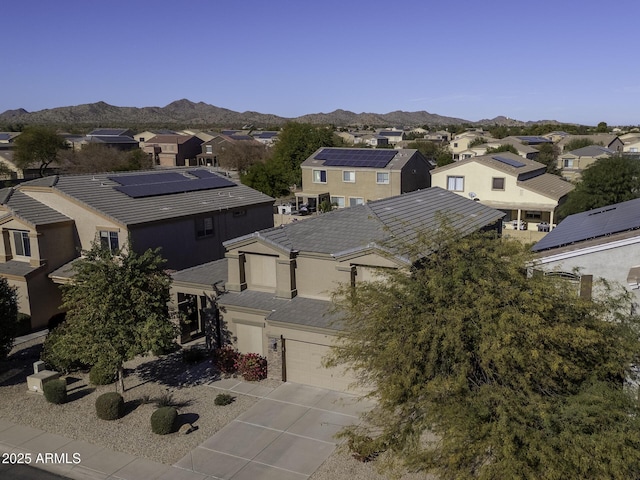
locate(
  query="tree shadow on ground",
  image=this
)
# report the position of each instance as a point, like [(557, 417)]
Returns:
[(18, 366), (186, 418), (78, 393), (171, 371)]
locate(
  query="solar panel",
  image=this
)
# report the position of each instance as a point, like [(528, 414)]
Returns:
[(148, 178), (349, 157), (168, 188), (509, 161), (595, 223), (201, 173)]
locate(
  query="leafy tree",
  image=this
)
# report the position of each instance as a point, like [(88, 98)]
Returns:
[(242, 154), (477, 141), (117, 309), (483, 371), (502, 148), (576, 143), (602, 127), (37, 145), (97, 158), (440, 154), (548, 154), (296, 142), (8, 317), (605, 182)]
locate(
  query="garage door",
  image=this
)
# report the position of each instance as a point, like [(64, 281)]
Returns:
[(304, 365)]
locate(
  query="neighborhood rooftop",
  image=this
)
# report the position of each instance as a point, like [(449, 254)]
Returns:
[(400, 218), (599, 222), (113, 195)]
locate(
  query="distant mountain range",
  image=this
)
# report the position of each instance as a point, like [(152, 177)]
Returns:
[(185, 112)]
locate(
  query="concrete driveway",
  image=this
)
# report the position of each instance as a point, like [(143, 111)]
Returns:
[(287, 435)]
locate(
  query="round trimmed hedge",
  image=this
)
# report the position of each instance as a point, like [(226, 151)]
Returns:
[(110, 406), (55, 391), (163, 420)]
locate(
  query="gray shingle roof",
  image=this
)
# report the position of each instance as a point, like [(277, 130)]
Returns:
[(599, 222), (592, 151), (32, 211), (548, 185), (298, 310), (97, 192), (206, 274), (19, 269), (400, 217)]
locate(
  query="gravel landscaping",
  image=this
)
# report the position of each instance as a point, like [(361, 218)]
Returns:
[(148, 378)]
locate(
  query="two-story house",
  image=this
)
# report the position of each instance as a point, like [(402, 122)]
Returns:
[(173, 150), (279, 281), (518, 186), (45, 223), (213, 149), (599, 243), (573, 163), (353, 176)]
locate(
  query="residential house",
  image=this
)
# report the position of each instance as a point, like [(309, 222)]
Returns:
[(353, 176), (518, 186), (278, 282), (119, 138), (573, 163), (173, 150), (393, 136), (599, 243), (142, 137), (45, 223), (462, 141), (212, 149), (523, 149), (7, 139), (556, 136), (266, 138), (610, 141)]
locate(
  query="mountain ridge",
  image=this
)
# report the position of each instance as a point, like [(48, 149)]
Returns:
[(187, 112)]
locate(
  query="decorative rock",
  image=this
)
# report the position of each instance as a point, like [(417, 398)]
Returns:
[(186, 429)]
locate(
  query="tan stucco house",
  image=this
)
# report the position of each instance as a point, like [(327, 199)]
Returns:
[(518, 186), (353, 176), (45, 223), (573, 163), (278, 282), (173, 150)]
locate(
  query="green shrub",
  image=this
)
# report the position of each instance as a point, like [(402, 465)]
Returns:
[(163, 420), (224, 399), (110, 406), (193, 355), (102, 373), (55, 391), (60, 353)]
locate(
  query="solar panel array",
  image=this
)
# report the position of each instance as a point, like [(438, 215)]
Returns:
[(509, 161), (148, 178), (595, 223), (152, 185), (351, 157)]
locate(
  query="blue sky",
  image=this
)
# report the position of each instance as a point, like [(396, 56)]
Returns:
[(563, 60)]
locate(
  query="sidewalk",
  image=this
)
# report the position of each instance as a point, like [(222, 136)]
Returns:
[(287, 435)]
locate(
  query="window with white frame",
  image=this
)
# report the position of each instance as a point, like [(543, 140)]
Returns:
[(382, 177), (354, 201), (567, 162), (209, 149), (319, 176), (337, 201), (204, 227), (455, 184), (109, 240), (349, 176), (22, 243)]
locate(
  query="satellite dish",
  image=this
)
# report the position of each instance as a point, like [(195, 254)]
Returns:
[(472, 195)]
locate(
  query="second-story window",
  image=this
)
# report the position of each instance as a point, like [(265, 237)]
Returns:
[(204, 227), (319, 176), (349, 176), (109, 240), (382, 177), (567, 162), (209, 149), (22, 243), (497, 183), (455, 184)]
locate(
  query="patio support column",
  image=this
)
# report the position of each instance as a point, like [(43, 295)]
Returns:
[(519, 217), (551, 220)]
